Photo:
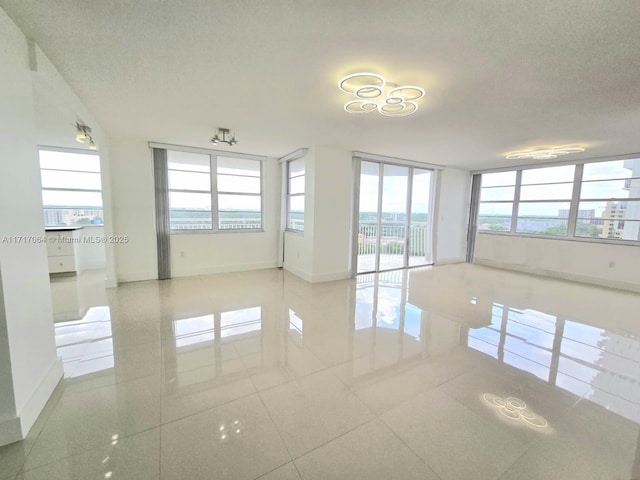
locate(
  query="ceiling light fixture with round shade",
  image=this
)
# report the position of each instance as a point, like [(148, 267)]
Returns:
[(374, 93), (544, 153)]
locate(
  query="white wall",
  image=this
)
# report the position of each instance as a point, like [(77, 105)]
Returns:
[(610, 265), (57, 109), (322, 252), (133, 202), (89, 253), (26, 314), (453, 213), (298, 247), (333, 184), (202, 253), (133, 208)]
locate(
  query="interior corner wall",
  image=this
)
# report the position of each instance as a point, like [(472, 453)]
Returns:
[(452, 217), (298, 246), (133, 193), (322, 252), (603, 264), (27, 312), (333, 185)]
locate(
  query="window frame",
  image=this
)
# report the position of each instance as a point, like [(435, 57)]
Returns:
[(574, 204), (288, 178), (214, 192), (72, 151)]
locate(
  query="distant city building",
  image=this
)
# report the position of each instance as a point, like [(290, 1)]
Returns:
[(613, 216), (564, 213), (60, 216), (631, 229)]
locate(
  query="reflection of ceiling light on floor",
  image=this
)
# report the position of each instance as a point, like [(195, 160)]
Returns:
[(227, 432), (514, 409)]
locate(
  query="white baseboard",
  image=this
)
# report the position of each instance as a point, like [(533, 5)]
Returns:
[(137, 276), (330, 277), (16, 429), (177, 272), (318, 278), (297, 272), (601, 282), (449, 261), (29, 413)]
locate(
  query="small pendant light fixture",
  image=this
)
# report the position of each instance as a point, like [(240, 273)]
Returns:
[(223, 132)]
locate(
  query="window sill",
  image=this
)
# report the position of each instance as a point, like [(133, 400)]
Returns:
[(602, 241), (216, 232)]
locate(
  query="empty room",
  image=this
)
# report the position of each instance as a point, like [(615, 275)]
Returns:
[(296, 240)]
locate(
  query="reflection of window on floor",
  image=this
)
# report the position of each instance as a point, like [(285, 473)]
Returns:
[(413, 321), (295, 324), (487, 339), (526, 341), (237, 322), (191, 331), (86, 345), (587, 361), (197, 330)]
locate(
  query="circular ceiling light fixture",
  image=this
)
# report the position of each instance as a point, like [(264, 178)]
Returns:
[(544, 153), (373, 93)]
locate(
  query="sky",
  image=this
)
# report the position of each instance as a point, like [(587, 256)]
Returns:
[(394, 190), (597, 185)]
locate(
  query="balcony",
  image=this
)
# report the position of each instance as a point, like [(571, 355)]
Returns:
[(392, 245)]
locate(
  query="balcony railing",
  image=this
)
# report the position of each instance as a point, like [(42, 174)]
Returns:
[(392, 238)]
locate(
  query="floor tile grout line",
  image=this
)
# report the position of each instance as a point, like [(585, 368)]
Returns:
[(272, 470), (46, 421), (366, 422), (84, 451), (513, 463), (275, 426), (208, 409), (410, 449)]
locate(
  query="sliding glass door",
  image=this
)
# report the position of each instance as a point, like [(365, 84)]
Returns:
[(393, 216)]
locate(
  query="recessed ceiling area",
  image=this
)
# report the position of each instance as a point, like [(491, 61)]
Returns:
[(498, 77)]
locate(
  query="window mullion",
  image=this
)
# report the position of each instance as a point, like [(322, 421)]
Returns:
[(215, 216), (516, 201), (575, 202)]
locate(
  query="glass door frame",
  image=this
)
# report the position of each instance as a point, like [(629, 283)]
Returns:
[(355, 223)]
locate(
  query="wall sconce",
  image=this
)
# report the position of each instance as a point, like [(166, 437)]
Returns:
[(83, 134)]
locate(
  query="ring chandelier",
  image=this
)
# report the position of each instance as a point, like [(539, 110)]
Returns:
[(543, 154), (374, 93)]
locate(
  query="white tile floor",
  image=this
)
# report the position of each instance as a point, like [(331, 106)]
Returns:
[(452, 373)]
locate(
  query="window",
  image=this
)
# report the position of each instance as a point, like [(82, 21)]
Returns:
[(592, 200), (545, 198), (71, 188), (295, 194), (496, 201), (610, 200), (230, 199)]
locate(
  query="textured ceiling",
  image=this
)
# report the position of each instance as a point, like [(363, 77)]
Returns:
[(499, 75)]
